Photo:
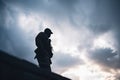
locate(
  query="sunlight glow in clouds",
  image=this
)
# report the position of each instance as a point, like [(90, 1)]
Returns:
[(86, 73), (29, 23), (104, 41), (64, 40)]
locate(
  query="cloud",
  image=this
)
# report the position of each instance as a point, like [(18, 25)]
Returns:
[(68, 5), (105, 16), (62, 62), (66, 60), (104, 57), (11, 35), (107, 60), (100, 28), (3, 31)]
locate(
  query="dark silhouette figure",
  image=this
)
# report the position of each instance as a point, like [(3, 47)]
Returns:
[(44, 49)]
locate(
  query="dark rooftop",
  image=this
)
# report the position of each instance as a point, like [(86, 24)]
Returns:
[(12, 68)]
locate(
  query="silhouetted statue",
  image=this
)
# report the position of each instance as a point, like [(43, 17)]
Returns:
[(44, 49)]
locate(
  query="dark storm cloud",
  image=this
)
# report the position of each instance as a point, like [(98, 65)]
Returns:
[(103, 12), (100, 28), (105, 57), (3, 31), (107, 61), (27, 5), (11, 36), (106, 17), (68, 4), (106, 11), (56, 9)]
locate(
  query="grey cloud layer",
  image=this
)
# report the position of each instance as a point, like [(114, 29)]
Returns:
[(105, 17), (66, 60), (105, 57), (11, 36)]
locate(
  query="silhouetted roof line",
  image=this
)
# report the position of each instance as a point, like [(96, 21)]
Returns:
[(25, 66)]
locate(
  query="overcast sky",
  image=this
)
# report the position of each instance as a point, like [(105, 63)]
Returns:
[(86, 39)]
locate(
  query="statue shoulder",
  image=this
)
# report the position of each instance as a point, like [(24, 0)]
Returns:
[(41, 34)]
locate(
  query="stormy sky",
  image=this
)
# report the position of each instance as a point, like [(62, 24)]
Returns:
[(86, 39)]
